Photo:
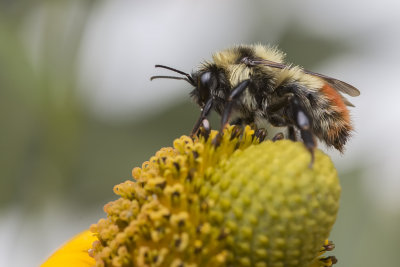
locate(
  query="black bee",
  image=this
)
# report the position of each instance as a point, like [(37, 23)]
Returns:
[(251, 84)]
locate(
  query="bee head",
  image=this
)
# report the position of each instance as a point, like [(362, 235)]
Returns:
[(204, 82)]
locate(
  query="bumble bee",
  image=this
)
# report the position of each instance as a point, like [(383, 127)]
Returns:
[(251, 84)]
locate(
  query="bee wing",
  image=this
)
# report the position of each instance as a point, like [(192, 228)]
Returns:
[(347, 102), (335, 83)]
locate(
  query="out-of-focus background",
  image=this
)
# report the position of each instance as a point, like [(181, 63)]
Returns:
[(78, 112)]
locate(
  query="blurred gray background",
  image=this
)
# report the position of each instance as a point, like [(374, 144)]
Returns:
[(78, 112)]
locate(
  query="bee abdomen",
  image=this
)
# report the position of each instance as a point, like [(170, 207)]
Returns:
[(336, 102), (338, 126)]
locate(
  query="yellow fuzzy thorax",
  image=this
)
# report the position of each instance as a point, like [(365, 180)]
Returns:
[(230, 56), (241, 203), (228, 60)]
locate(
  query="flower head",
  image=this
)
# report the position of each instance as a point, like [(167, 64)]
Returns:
[(235, 203)]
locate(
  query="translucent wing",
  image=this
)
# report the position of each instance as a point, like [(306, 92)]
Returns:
[(335, 83)]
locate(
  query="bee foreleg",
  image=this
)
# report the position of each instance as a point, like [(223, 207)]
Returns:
[(303, 122), (203, 116), (206, 125), (234, 95), (205, 130)]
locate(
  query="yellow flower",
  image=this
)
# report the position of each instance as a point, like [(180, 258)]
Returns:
[(230, 202)]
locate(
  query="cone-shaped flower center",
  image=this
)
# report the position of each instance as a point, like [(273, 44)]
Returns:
[(234, 203)]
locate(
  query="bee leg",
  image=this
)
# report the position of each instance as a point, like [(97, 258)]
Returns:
[(234, 95), (205, 130), (292, 133), (278, 136), (217, 140), (280, 103), (260, 134), (309, 142), (236, 131), (303, 122), (328, 247), (329, 260), (277, 121), (237, 121), (206, 125), (203, 115)]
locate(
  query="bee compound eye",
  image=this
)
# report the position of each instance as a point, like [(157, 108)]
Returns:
[(205, 80), (205, 84)]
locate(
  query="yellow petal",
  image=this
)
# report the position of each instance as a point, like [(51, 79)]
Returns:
[(74, 252)]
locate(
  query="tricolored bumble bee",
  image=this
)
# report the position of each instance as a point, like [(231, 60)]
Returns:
[(251, 84)]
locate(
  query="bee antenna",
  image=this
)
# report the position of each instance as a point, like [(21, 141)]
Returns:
[(188, 77), (170, 77)]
